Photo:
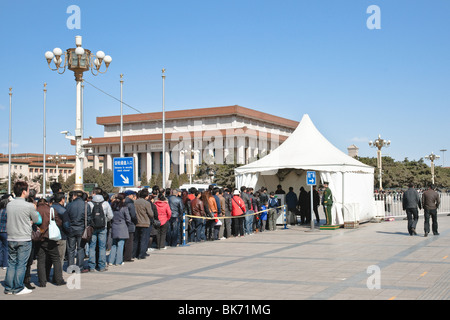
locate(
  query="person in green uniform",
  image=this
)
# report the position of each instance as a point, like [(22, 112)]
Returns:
[(327, 202)]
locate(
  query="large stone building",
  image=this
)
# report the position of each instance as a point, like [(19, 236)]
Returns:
[(231, 134), (31, 166)]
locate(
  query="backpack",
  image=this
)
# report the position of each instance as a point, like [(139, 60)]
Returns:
[(98, 216)]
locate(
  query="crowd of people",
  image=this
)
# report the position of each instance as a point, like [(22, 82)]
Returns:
[(128, 225)]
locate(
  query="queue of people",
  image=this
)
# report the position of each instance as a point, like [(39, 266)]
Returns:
[(128, 225)]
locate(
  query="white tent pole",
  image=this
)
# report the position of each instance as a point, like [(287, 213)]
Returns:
[(343, 191)]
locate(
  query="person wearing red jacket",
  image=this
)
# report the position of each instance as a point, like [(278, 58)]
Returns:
[(238, 209), (164, 215)]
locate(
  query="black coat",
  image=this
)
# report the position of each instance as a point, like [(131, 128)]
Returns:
[(176, 206), (76, 216), (132, 211)]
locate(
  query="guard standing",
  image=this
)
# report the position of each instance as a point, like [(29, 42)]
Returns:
[(327, 202)]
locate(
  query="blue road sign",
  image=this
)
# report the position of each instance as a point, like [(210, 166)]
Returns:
[(311, 178), (123, 172)]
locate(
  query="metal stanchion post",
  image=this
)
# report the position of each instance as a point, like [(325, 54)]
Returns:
[(285, 223), (184, 231)]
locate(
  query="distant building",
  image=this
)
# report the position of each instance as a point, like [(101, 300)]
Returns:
[(353, 151), (231, 134), (31, 166)]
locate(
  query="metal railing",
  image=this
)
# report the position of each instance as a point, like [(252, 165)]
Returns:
[(393, 203)]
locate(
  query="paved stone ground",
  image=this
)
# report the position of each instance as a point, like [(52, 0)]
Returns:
[(377, 261)]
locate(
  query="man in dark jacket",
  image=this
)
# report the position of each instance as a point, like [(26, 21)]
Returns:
[(128, 247), (303, 203), (198, 210), (177, 208), (59, 200), (248, 224), (291, 202), (431, 202), (76, 216), (228, 221), (411, 200)]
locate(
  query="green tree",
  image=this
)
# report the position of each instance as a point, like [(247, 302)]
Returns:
[(175, 183), (144, 179)]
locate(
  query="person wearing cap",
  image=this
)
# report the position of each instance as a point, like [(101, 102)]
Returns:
[(327, 202), (272, 214), (238, 210)]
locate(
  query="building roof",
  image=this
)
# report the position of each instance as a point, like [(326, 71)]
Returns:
[(176, 136), (200, 113)]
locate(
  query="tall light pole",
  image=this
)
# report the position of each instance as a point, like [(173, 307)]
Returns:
[(443, 157), (190, 162), (57, 159), (9, 141), (379, 144), (432, 157), (44, 176), (163, 132), (78, 60), (121, 116)]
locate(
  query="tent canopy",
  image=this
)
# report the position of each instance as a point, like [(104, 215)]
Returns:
[(306, 149), (351, 181)]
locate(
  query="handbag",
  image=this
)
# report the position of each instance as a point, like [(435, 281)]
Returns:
[(35, 233), (53, 230), (88, 230), (156, 223)]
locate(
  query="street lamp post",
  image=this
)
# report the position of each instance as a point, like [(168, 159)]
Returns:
[(190, 162), (443, 157), (163, 130), (57, 159), (78, 60), (9, 142), (44, 158), (432, 157), (379, 144)]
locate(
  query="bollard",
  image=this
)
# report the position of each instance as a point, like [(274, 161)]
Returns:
[(285, 222), (184, 231)]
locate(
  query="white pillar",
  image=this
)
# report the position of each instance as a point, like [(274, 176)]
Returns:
[(241, 150), (181, 161), (136, 169), (109, 161), (96, 162), (149, 165)]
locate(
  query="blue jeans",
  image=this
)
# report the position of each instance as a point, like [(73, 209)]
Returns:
[(140, 242), (202, 229), (3, 249), (100, 236), (195, 230), (173, 232), (19, 252), (249, 222), (116, 254)]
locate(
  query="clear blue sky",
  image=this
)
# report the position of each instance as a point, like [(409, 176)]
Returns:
[(287, 57)]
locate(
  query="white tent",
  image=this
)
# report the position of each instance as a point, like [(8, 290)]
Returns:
[(350, 181)]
